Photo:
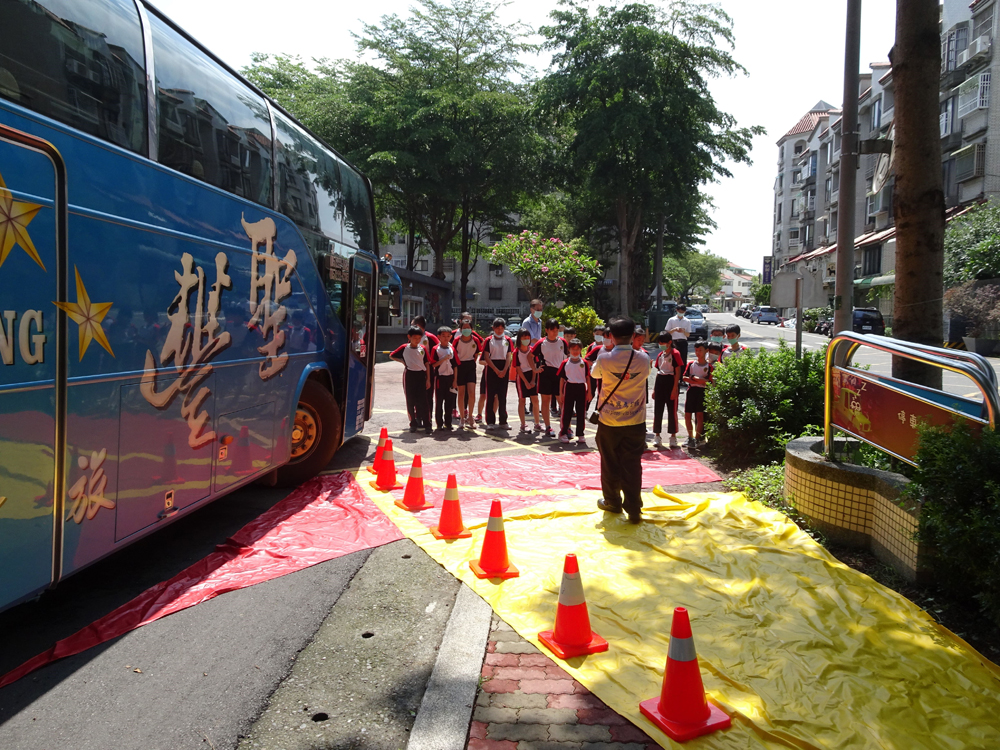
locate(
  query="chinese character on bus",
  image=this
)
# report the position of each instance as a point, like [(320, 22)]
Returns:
[(190, 346), (266, 292), (87, 493)]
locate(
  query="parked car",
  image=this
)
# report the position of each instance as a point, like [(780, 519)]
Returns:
[(868, 320), (765, 315), (699, 326), (513, 327)]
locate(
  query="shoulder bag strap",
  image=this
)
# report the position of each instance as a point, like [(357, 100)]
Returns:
[(629, 364)]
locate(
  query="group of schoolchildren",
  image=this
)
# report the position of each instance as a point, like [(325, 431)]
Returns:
[(440, 375)]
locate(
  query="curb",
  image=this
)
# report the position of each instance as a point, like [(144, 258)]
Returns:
[(445, 712)]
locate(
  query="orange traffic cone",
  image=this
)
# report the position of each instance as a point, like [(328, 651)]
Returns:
[(572, 635), (382, 436), (386, 471), (682, 711), (413, 497), (493, 562), (450, 526)]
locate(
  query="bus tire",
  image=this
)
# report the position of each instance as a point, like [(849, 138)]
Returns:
[(315, 435)]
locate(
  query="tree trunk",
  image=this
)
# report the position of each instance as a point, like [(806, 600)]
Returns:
[(464, 285), (628, 230), (918, 203)]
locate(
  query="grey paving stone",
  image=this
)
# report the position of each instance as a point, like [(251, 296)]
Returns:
[(495, 715), (483, 699), (579, 733), (520, 647), (505, 636), (517, 732), (547, 716), (518, 700), (501, 625)]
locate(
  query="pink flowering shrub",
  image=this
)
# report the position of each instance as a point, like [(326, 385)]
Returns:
[(559, 270)]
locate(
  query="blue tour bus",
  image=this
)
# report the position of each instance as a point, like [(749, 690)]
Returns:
[(189, 286)]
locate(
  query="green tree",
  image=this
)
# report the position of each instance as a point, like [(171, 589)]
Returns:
[(761, 293), (631, 82), (972, 246), (692, 271)]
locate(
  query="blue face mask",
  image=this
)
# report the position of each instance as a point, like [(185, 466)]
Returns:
[(734, 341), (537, 314), (716, 339), (466, 332)]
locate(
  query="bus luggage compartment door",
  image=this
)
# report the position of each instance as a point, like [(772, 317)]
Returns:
[(160, 472), (30, 522)]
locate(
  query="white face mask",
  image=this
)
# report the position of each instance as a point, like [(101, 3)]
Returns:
[(537, 314), (599, 339), (498, 336), (713, 357), (466, 333)]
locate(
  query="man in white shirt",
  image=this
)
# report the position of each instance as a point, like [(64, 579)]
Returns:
[(679, 328), (621, 432)]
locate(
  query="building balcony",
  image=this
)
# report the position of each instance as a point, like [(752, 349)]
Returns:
[(834, 197)]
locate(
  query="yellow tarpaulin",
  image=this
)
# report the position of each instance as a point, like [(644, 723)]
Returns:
[(801, 650)]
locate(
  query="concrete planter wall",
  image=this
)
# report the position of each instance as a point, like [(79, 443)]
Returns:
[(855, 506)]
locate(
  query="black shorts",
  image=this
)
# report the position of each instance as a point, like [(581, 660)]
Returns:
[(548, 381), (482, 381), (466, 372), (695, 401), (524, 391)]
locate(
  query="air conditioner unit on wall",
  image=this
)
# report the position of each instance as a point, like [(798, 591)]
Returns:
[(963, 57)]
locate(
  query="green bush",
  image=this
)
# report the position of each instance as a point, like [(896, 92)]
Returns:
[(580, 317), (760, 400), (956, 478)]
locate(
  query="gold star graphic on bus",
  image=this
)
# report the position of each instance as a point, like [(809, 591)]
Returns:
[(14, 219), (88, 315)]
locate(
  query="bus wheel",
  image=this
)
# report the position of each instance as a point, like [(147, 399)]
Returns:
[(314, 435)]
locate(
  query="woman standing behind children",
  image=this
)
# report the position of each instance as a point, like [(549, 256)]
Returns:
[(526, 371), (668, 367)]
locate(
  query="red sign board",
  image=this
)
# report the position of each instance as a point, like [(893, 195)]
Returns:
[(868, 408)]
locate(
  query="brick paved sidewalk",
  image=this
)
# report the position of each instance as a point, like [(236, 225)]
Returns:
[(527, 702)]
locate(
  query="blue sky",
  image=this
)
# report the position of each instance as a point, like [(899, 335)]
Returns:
[(793, 51)]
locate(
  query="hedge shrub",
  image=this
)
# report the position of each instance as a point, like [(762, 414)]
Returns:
[(760, 400), (956, 478)]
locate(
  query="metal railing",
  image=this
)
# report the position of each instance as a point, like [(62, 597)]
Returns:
[(972, 366)]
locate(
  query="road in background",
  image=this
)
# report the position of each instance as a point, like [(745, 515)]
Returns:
[(758, 336)]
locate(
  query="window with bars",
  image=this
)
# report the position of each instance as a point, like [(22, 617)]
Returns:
[(496, 292), (970, 162), (974, 94), (983, 24), (947, 110), (951, 45)]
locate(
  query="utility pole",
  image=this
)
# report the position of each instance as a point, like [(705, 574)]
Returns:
[(918, 199), (844, 303)]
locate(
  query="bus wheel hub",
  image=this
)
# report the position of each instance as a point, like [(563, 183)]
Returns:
[(305, 432)]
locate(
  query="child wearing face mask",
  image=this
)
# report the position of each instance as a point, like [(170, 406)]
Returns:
[(714, 352), (718, 336), (602, 342), (574, 392), (467, 350), (497, 356), (733, 339), (526, 371), (668, 367)]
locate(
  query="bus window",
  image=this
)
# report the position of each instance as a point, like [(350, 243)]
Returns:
[(79, 62), (357, 210), (211, 126), (308, 181), (359, 320)]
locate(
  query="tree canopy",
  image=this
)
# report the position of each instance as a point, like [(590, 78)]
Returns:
[(692, 272), (631, 82), (972, 246)]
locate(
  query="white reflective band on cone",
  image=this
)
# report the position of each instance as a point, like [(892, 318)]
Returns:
[(451, 493), (387, 456), (495, 523), (571, 590), (416, 471), (682, 649)]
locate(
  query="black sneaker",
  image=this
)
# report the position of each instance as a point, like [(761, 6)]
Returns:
[(607, 508), (635, 518)]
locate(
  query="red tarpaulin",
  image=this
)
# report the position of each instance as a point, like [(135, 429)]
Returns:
[(581, 471), (557, 472), (327, 517)]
